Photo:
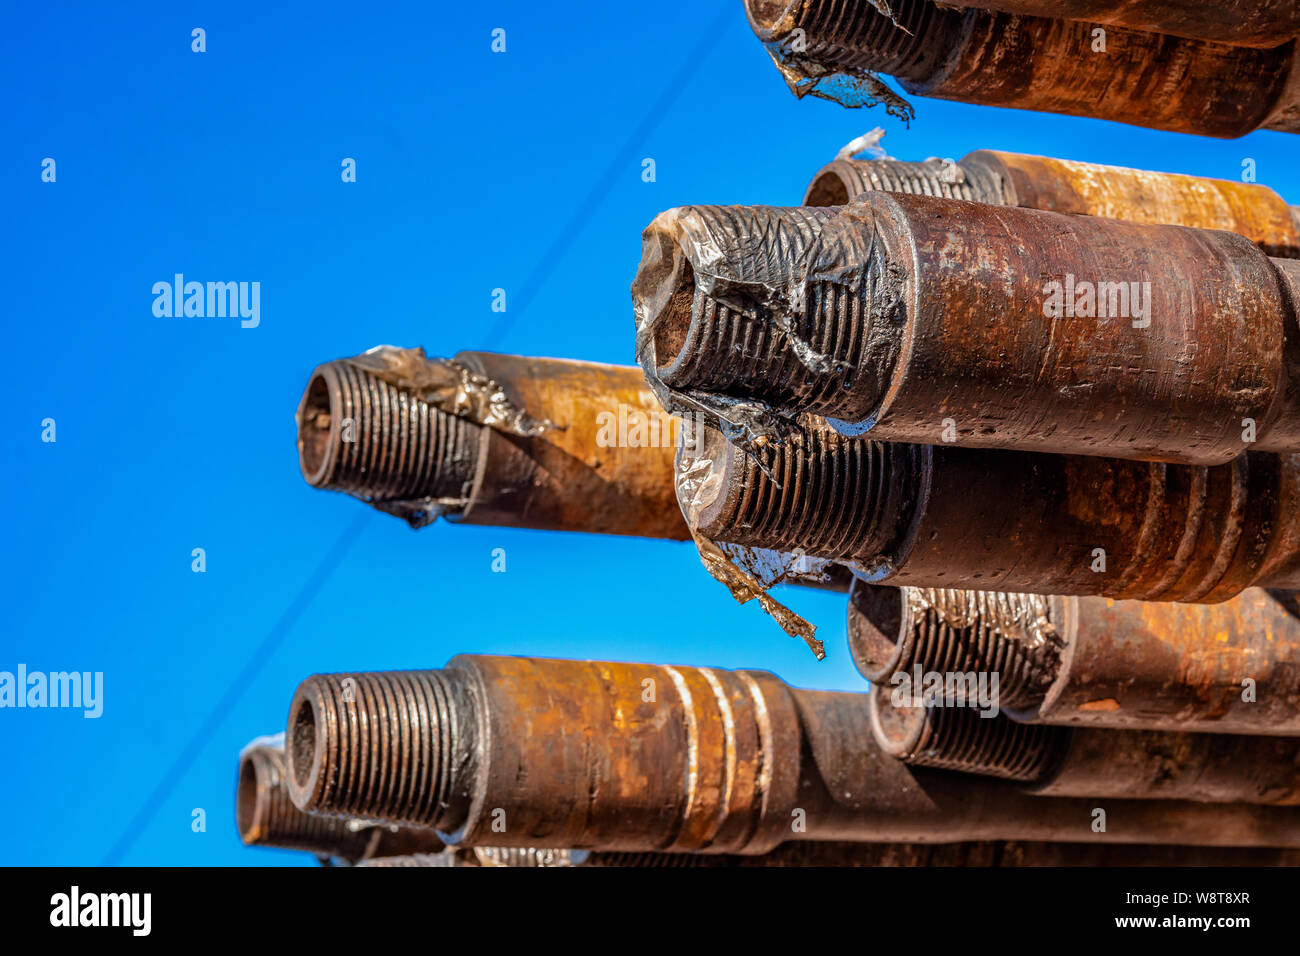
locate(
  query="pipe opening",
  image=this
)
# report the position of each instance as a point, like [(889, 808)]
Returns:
[(246, 801), (315, 421), (897, 729), (877, 617), (302, 747), (767, 15), (828, 189), (674, 326)]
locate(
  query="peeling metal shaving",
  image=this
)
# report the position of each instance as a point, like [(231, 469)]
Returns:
[(745, 587), (748, 573)]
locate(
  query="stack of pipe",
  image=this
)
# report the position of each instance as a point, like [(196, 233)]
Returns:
[(1039, 419)]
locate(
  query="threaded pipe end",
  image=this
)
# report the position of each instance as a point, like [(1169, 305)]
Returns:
[(852, 34), (379, 746), (265, 815), (377, 441), (956, 631), (840, 182), (954, 736), (828, 495), (769, 303)]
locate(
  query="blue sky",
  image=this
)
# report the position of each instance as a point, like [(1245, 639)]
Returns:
[(475, 171)]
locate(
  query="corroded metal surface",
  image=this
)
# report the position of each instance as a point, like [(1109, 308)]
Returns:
[(267, 817), (986, 854), (923, 319), (947, 517), (953, 735), (1230, 668), (600, 459), (790, 854), (1051, 65), (1257, 23), (1065, 762), (1061, 185), (632, 757)]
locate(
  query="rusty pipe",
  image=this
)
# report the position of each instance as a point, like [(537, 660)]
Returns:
[(596, 455), (1231, 668), (265, 816), (833, 48), (923, 319), (1256, 23), (1062, 185), (951, 731), (640, 757), (789, 854), (948, 517), (988, 854)]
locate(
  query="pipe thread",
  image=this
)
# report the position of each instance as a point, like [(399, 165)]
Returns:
[(378, 746), (387, 443), (844, 180), (266, 816)]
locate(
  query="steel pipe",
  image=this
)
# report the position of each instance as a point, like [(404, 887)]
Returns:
[(1255, 23), (631, 757), (1066, 186), (835, 48), (952, 733), (922, 319), (265, 816), (598, 459), (1231, 668), (790, 854), (991, 853), (941, 516)]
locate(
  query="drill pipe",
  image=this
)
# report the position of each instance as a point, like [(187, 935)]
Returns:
[(942, 516), (266, 816), (1062, 185), (1031, 63), (996, 853), (951, 734), (923, 319), (1256, 23), (1093, 662), (602, 463), (790, 854), (641, 757)]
